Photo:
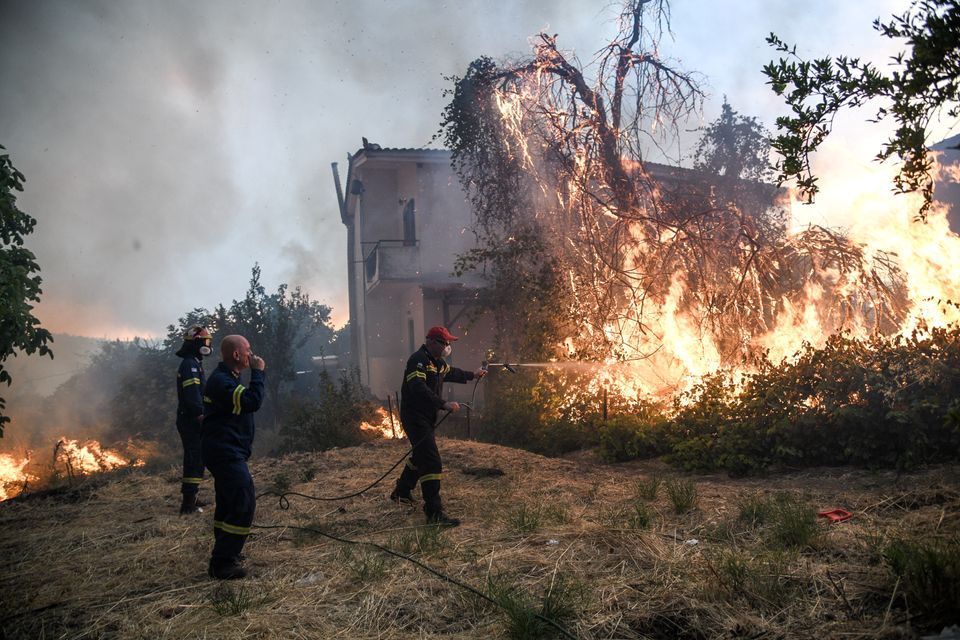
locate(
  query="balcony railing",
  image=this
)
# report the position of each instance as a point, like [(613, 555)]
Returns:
[(390, 260)]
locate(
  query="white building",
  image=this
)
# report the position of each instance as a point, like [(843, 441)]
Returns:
[(407, 220)]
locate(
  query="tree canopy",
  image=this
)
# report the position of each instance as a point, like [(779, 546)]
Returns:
[(20, 331), (922, 84)]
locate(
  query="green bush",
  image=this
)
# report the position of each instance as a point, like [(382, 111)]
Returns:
[(636, 435), (332, 419)]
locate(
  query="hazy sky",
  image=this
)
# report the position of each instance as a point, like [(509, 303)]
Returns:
[(169, 145)]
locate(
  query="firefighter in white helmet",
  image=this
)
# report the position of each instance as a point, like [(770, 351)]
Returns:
[(190, 384)]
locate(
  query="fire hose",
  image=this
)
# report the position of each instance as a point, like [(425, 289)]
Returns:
[(285, 501), (285, 504)]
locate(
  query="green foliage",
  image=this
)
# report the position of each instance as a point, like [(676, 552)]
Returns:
[(364, 565), (793, 523), (640, 516), (755, 509), (20, 331), (766, 581), (647, 487), (545, 412), (524, 518), (425, 540), (924, 84), (882, 402), (734, 146), (682, 494), (636, 435), (558, 603), (928, 572), (140, 404), (228, 600), (331, 418)]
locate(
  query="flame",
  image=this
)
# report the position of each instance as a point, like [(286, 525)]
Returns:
[(13, 478), (386, 428), (662, 341), (89, 457)]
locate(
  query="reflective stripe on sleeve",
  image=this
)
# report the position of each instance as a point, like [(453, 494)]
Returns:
[(236, 398), (190, 381), (186, 480), (416, 374), (431, 476)]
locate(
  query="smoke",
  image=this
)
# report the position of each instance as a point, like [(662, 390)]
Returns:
[(169, 146)]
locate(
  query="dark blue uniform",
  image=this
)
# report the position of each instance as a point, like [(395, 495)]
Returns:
[(226, 443), (421, 398), (190, 383)]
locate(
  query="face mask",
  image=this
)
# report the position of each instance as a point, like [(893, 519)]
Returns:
[(205, 350), (447, 350)]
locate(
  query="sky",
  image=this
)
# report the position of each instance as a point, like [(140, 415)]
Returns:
[(168, 146)]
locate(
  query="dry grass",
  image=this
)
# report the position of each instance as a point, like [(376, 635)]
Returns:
[(112, 558)]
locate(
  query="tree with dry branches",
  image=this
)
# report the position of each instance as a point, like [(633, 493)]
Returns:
[(569, 216)]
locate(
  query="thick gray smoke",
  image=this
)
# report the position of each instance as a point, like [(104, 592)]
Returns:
[(169, 145)]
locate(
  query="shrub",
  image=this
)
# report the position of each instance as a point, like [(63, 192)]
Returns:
[(641, 434), (793, 523), (332, 419), (929, 576), (682, 494), (647, 487)]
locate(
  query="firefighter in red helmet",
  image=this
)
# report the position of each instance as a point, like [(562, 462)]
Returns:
[(190, 384), (421, 398)]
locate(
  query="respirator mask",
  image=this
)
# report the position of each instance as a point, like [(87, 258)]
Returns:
[(205, 349), (447, 350)]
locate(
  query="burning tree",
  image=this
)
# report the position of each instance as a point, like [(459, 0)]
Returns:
[(618, 264)]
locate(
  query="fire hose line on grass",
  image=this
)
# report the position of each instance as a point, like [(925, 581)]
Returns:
[(425, 567), (285, 502)]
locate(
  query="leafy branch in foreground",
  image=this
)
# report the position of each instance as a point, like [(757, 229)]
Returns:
[(923, 85)]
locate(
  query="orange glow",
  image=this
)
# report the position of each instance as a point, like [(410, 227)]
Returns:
[(13, 478), (667, 336), (87, 319), (386, 428)]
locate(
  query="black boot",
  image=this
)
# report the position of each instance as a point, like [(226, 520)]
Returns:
[(402, 496), (441, 519), (190, 504), (230, 570)]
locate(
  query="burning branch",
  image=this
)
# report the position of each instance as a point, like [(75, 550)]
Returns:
[(623, 263)]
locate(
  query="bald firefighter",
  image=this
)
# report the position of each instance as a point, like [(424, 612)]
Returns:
[(190, 384), (226, 446), (421, 398)]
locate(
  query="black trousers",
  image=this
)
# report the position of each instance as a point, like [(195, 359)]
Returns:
[(189, 430), (424, 465), (236, 504)]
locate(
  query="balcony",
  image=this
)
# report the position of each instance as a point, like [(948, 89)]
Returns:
[(390, 261)]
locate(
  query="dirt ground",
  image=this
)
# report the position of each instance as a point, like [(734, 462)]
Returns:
[(110, 557)]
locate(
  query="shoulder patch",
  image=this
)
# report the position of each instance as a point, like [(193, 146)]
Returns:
[(193, 369), (419, 365)]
